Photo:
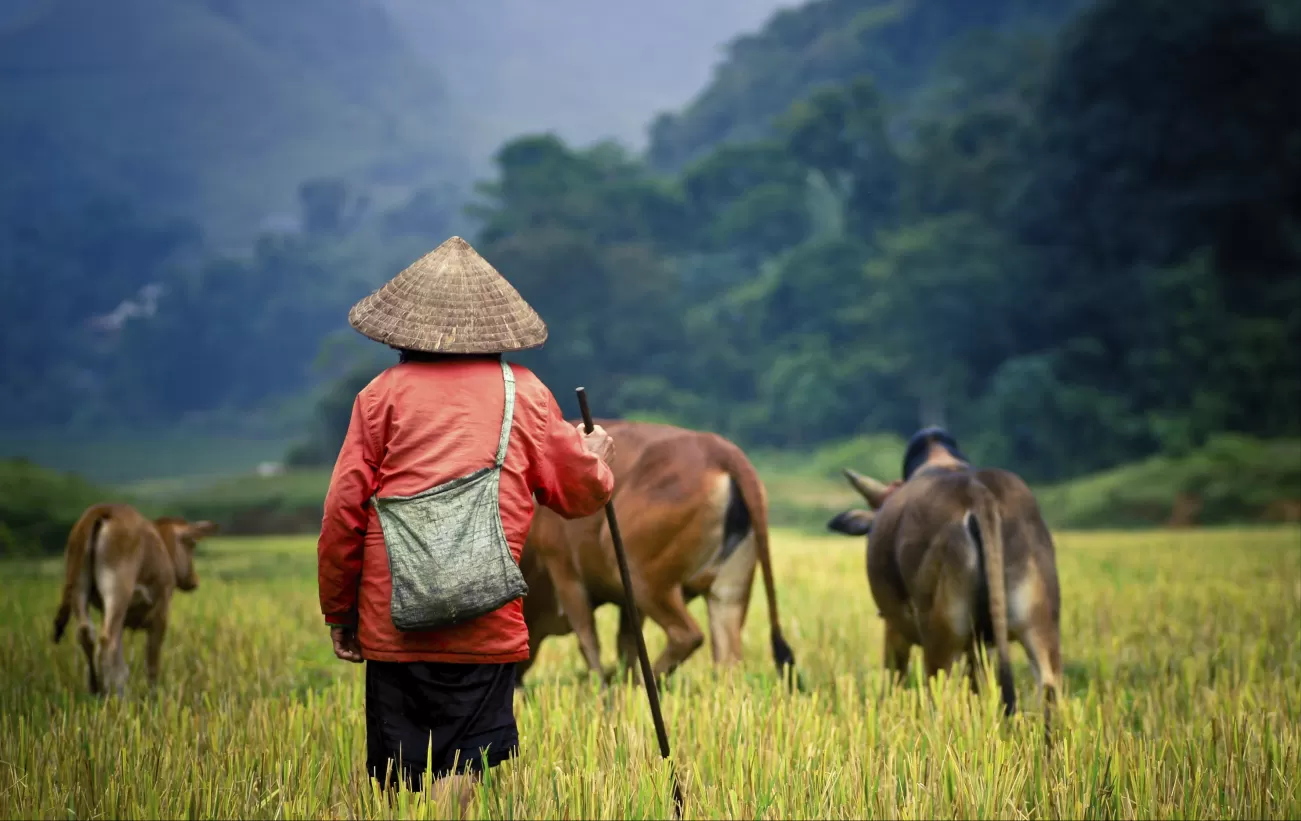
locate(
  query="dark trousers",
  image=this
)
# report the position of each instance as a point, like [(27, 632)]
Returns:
[(438, 717)]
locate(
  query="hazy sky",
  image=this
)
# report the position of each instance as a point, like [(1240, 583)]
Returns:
[(268, 104), (584, 68)]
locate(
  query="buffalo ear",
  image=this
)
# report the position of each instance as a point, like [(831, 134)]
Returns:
[(852, 522)]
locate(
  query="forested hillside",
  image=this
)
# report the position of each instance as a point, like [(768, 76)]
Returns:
[(1074, 249), (1070, 232), (192, 193), (899, 43), (115, 319)]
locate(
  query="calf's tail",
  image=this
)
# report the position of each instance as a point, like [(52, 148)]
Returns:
[(985, 526), (79, 567)]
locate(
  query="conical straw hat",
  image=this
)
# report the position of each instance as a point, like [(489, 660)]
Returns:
[(451, 300)]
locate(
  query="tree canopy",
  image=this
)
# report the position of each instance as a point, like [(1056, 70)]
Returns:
[(1074, 249)]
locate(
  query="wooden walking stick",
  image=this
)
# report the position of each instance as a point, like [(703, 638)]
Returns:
[(630, 612)]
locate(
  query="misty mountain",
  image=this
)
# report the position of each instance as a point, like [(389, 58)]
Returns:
[(214, 109)]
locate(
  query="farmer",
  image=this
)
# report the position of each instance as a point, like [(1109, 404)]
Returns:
[(427, 511)]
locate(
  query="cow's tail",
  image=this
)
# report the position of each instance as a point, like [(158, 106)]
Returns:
[(985, 526), (79, 567), (752, 494)]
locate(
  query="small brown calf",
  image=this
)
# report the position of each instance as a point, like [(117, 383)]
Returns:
[(126, 566)]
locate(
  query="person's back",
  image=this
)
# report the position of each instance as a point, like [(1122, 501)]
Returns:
[(445, 454), (422, 423)]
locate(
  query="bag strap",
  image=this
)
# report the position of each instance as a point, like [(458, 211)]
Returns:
[(508, 413)]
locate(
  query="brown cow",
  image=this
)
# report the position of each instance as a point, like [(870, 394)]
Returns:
[(126, 566), (694, 521), (958, 556)]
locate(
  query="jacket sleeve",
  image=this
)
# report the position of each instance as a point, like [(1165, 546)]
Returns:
[(565, 476), (343, 526)]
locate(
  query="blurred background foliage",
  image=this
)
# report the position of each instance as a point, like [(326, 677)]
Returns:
[(1070, 231)]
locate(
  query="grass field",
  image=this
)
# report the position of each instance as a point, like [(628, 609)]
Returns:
[(1183, 700)]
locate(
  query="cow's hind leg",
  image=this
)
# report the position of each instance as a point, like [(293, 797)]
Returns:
[(945, 600), (628, 656), (944, 638), (728, 599), (974, 668), (940, 647), (669, 610), (897, 650), (1042, 643), (940, 650), (578, 608), (1030, 616)]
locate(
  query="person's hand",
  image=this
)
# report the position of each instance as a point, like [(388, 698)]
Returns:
[(598, 442), (346, 645)]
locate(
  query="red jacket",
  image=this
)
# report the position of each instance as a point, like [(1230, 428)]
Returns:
[(419, 424)]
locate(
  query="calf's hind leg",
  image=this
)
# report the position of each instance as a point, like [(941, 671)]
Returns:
[(85, 625), (86, 641), (154, 647), (110, 661), (115, 586), (86, 631)]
